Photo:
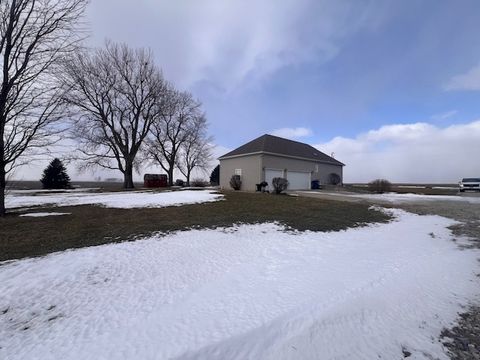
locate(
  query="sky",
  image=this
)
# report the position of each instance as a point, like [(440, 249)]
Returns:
[(391, 88)]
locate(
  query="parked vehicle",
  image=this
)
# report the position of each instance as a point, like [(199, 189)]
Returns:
[(469, 184)]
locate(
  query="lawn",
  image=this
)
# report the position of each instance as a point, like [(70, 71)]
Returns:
[(246, 291), (89, 225)]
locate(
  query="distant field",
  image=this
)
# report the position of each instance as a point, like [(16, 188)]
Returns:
[(27, 185), (404, 188)]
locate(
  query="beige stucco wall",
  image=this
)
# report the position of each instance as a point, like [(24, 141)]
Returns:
[(251, 171), (291, 164)]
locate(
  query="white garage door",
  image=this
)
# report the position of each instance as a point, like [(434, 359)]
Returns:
[(298, 180), (270, 174)]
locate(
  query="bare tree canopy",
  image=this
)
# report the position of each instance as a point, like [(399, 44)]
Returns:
[(196, 150), (34, 36), (116, 93), (179, 113)]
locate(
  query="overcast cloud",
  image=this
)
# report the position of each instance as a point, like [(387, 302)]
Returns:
[(416, 152), (230, 44)]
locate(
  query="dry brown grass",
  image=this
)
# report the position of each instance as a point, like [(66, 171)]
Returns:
[(94, 225)]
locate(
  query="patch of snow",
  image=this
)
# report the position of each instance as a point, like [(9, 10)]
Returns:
[(399, 198), (245, 292), (131, 199), (405, 198), (42, 214)]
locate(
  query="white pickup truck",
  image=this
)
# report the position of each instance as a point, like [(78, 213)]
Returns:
[(469, 184)]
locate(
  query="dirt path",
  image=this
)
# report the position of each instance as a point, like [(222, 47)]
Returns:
[(463, 340)]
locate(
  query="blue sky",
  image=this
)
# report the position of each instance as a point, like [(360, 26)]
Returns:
[(351, 77)]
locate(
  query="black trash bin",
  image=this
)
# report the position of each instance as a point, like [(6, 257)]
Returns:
[(315, 184)]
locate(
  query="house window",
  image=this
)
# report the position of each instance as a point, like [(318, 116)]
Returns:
[(238, 172), (316, 168)]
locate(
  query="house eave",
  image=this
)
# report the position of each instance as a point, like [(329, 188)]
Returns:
[(240, 155), (338, 163)]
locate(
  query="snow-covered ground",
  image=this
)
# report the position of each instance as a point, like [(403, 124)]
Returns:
[(43, 214), (130, 199), (246, 292), (405, 198)]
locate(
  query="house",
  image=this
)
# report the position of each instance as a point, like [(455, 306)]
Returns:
[(271, 156)]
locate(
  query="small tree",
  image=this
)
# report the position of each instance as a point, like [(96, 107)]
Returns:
[(215, 176), (379, 186), (334, 179), (235, 182), (179, 116), (55, 176), (279, 184), (196, 150), (198, 182)]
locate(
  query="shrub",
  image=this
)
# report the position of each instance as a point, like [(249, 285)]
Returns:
[(279, 184), (334, 179), (215, 176), (380, 186), (55, 176), (179, 182), (198, 183), (235, 182)]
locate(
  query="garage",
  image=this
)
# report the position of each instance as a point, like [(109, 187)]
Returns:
[(298, 180), (272, 173), (268, 157)]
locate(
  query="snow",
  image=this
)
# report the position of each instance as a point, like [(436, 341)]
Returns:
[(405, 198), (401, 198), (245, 292), (131, 199), (43, 214)]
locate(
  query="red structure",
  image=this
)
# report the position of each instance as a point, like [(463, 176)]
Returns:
[(155, 180)]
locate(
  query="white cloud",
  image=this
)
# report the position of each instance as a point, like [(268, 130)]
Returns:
[(230, 43), (293, 133), (417, 152), (468, 81), (445, 115)]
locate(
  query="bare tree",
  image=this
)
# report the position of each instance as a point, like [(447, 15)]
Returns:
[(116, 93), (172, 129), (34, 36), (196, 150)]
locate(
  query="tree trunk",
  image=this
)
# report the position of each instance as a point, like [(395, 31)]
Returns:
[(128, 177), (188, 177), (170, 175), (2, 191)]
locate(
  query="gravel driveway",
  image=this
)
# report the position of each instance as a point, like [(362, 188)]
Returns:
[(463, 340)]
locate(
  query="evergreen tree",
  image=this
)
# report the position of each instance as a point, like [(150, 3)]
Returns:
[(215, 176), (55, 176)]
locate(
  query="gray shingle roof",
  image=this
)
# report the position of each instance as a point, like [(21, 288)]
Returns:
[(277, 145)]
